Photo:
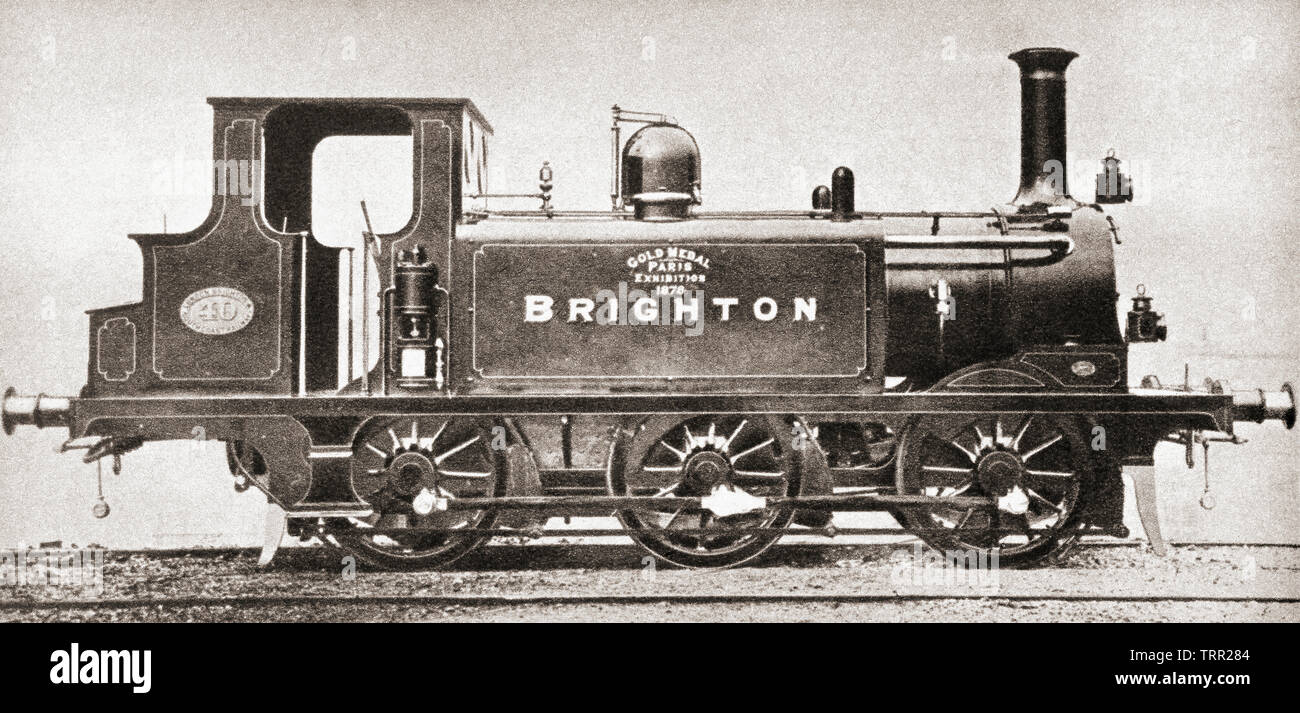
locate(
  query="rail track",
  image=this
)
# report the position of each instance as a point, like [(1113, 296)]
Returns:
[(615, 599), (1202, 582)]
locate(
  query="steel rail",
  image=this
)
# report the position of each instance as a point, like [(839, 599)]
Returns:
[(515, 600), (118, 555)]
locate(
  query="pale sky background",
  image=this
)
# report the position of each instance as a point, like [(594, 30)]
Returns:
[(103, 101)]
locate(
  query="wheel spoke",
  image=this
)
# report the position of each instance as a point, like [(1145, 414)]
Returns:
[(463, 474), (378, 451), (672, 520), (439, 459), (1015, 442), (1045, 501), (1041, 447), (732, 437), (760, 475), (752, 449), (681, 455), (972, 455), (952, 482), (427, 443)]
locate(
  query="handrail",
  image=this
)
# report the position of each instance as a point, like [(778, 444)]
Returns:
[(1056, 243), (481, 214)]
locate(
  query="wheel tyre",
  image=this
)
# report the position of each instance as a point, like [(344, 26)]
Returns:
[(353, 538), (623, 459), (1048, 549)]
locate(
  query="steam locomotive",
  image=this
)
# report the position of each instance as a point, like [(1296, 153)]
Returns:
[(753, 373)]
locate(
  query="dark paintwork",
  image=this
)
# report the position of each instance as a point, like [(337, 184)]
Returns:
[(1034, 306), (1042, 126), (232, 248), (240, 245), (285, 430), (1034, 317), (743, 352)]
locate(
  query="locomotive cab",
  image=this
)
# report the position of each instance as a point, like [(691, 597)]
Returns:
[(249, 301)]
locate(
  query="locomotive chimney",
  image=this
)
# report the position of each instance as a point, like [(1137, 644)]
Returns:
[(1042, 127)]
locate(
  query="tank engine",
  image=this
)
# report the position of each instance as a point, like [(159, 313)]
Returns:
[(752, 372)]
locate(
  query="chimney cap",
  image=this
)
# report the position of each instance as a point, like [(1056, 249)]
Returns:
[(1050, 59)]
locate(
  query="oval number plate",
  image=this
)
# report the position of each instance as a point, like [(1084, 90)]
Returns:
[(217, 310)]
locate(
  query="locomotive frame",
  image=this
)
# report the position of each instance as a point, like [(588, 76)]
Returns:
[(1039, 355)]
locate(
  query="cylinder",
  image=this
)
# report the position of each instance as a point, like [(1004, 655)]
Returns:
[(1042, 127), (842, 194)]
